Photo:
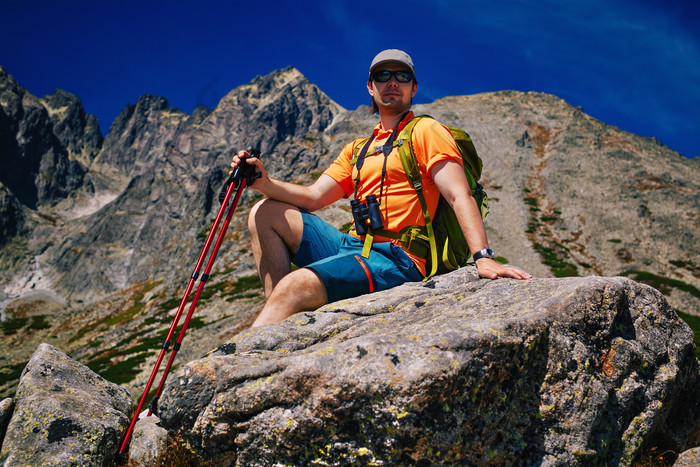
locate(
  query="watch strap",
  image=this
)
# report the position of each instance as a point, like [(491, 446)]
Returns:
[(485, 253)]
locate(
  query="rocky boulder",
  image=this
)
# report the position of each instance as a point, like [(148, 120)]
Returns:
[(455, 370), (64, 414), (148, 442)]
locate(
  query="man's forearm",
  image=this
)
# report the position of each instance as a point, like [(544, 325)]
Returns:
[(311, 198), (297, 195), (469, 217)]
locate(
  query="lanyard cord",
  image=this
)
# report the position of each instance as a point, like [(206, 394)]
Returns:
[(386, 149), (360, 161)]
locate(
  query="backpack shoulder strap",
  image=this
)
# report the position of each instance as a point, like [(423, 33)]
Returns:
[(408, 157), (358, 147), (410, 166)]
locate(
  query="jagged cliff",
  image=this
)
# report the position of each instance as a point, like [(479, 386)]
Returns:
[(46, 147), (47, 144)]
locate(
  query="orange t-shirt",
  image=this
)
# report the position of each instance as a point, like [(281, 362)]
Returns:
[(399, 204)]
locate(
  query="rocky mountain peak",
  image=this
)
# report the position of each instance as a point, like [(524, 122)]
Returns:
[(135, 118), (280, 78), (274, 113), (264, 89), (10, 93), (77, 131), (283, 92), (139, 134), (46, 143)]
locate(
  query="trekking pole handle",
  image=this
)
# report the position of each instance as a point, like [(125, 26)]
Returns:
[(242, 171)]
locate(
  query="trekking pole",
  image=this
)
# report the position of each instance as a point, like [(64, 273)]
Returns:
[(242, 176)]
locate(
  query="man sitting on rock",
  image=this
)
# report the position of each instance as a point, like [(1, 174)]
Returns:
[(331, 263)]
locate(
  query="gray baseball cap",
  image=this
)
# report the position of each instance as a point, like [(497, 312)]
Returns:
[(392, 55)]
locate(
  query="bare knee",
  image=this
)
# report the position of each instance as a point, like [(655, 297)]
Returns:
[(257, 213), (301, 290), (268, 212), (283, 219)]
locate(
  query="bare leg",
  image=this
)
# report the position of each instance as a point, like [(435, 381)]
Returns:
[(276, 230)]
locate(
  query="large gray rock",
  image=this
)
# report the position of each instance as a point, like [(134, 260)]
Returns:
[(579, 371), (64, 414), (689, 458)]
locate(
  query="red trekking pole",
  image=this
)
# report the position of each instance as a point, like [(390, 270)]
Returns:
[(242, 176)]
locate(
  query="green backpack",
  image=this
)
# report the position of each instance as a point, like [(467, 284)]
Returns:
[(441, 240)]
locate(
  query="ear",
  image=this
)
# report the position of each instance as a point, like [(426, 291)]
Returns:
[(415, 89), (370, 88)]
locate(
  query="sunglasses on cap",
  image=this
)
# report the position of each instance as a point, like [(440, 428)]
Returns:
[(385, 75)]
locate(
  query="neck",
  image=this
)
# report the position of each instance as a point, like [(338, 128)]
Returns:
[(390, 120)]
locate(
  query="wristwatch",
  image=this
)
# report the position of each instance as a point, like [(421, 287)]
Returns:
[(485, 253)]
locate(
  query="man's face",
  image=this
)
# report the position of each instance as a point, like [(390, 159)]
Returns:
[(392, 96)]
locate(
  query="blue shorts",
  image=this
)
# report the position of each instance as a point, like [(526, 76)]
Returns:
[(337, 258)]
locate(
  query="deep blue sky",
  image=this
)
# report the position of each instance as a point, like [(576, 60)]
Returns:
[(634, 64)]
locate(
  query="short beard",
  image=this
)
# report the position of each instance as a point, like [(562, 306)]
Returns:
[(374, 108)]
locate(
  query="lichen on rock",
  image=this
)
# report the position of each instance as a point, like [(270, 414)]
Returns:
[(456, 370), (64, 413)]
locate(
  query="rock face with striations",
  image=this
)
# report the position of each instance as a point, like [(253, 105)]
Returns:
[(46, 144), (580, 371), (11, 215), (158, 173)]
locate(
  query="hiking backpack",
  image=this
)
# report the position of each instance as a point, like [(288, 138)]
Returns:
[(441, 240)]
